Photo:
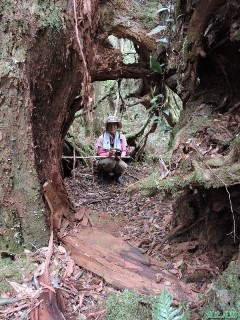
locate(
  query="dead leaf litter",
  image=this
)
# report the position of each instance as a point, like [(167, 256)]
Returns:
[(141, 221)]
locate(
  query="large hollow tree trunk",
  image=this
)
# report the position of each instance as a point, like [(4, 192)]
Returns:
[(41, 76), (50, 53), (205, 150)]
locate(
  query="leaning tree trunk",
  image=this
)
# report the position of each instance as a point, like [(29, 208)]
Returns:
[(50, 54)]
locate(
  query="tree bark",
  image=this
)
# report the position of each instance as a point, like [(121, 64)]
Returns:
[(50, 54), (40, 78), (207, 70)]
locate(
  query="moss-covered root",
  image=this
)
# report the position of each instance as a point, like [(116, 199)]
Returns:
[(223, 301)]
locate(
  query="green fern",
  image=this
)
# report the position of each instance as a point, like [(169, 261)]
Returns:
[(162, 309)]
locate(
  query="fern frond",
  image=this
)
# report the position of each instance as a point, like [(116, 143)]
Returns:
[(162, 309)]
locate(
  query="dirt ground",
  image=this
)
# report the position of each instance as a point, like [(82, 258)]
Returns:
[(143, 221)]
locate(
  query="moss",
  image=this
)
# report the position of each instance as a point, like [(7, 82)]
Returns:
[(237, 139), (199, 173), (192, 172), (186, 165), (14, 270), (149, 185), (186, 48), (172, 184), (127, 306), (167, 156), (224, 297), (217, 161), (189, 124), (146, 13), (153, 184), (34, 231), (50, 14), (11, 232), (226, 175), (46, 13)]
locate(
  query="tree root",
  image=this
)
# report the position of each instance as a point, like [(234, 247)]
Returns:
[(177, 232)]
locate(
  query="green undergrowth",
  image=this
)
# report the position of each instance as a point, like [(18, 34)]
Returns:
[(149, 185), (129, 305), (223, 300), (14, 269), (191, 173), (153, 184)]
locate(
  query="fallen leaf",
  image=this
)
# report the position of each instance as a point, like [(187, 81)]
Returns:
[(80, 214), (69, 269), (62, 250), (85, 219)]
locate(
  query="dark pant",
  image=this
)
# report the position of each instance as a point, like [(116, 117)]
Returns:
[(111, 165)]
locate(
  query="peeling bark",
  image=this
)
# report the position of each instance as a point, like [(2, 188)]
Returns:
[(51, 59)]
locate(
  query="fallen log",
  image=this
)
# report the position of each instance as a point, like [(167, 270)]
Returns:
[(122, 265)]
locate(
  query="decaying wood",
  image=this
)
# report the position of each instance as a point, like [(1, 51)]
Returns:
[(197, 25), (57, 209), (199, 22), (122, 265), (177, 232)]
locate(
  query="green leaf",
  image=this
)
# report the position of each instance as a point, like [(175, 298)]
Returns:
[(155, 98), (155, 65), (163, 40), (179, 16), (162, 9), (167, 112), (156, 30), (162, 309), (169, 20)]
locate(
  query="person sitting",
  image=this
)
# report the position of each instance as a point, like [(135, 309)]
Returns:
[(112, 144)]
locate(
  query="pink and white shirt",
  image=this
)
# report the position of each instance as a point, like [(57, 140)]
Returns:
[(105, 152)]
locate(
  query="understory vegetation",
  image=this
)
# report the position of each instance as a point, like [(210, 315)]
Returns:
[(14, 268), (223, 300), (129, 305)]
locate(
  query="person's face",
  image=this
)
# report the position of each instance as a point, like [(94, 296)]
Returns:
[(112, 127)]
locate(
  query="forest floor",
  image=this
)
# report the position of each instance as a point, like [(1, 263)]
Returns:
[(143, 221)]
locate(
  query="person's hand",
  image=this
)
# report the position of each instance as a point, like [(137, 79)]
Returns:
[(111, 152), (118, 154)]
